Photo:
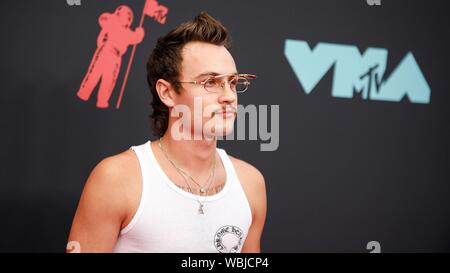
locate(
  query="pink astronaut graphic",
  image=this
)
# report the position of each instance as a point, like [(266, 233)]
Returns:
[(112, 43)]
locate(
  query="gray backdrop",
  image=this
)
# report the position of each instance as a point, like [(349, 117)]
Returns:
[(347, 171)]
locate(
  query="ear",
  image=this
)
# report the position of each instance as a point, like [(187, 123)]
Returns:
[(166, 92)]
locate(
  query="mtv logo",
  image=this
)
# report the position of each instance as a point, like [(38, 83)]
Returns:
[(356, 72)]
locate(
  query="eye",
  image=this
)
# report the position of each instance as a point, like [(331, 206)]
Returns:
[(211, 82), (233, 82)]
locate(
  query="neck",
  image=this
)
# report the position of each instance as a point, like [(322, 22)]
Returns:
[(193, 155)]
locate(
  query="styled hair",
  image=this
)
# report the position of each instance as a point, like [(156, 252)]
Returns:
[(166, 58)]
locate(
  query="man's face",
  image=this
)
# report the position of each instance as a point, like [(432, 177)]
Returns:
[(201, 61)]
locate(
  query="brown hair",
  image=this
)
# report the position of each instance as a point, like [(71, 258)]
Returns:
[(165, 60)]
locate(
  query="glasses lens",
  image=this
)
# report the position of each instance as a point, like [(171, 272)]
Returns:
[(213, 85), (237, 84), (241, 85)]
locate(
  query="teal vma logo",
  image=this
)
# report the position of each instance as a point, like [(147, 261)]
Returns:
[(356, 72)]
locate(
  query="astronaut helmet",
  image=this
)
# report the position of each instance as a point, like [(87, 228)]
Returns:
[(125, 15)]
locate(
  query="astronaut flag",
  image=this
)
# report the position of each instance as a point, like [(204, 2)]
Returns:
[(157, 12)]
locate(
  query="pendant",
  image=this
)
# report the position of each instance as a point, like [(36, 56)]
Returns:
[(202, 190), (200, 209)]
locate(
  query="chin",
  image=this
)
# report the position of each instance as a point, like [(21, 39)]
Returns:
[(219, 127), (224, 130), (220, 131)]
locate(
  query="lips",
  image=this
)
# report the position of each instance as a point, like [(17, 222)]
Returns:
[(229, 113)]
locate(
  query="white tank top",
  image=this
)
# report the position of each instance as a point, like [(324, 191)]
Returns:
[(167, 219)]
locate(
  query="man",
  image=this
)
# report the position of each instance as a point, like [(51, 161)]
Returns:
[(179, 193)]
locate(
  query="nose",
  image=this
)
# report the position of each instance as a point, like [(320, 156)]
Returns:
[(227, 95)]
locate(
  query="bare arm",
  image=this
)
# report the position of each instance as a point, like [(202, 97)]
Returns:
[(254, 186), (102, 208)]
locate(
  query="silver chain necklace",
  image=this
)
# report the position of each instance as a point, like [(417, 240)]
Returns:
[(184, 173)]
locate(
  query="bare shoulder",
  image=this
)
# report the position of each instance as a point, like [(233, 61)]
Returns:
[(252, 181), (110, 197), (118, 169), (247, 171), (115, 183), (124, 159)]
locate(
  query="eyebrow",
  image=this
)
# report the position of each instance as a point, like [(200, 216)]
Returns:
[(212, 74)]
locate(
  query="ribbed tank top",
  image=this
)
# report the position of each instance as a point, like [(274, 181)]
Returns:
[(167, 219)]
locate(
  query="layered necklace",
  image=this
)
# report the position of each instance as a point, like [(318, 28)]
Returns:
[(184, 174)]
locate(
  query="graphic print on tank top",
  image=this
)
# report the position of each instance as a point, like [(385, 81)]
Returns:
[(228, 239)]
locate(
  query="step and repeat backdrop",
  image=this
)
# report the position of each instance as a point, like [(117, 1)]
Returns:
[(350, 115)]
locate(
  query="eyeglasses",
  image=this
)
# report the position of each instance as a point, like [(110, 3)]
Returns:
[(239, 83)]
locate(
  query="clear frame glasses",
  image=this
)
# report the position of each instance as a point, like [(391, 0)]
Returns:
[(239, 83)]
